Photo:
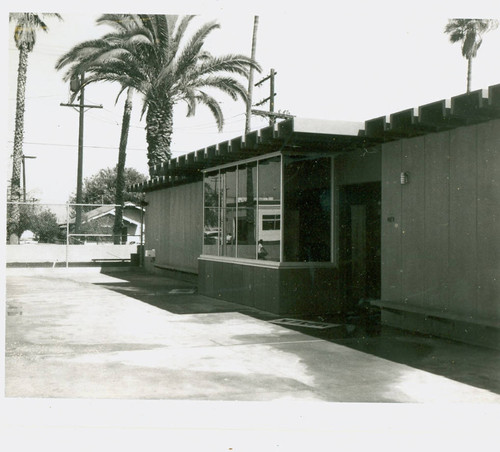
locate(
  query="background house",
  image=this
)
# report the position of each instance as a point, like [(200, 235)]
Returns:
[(100, 221)]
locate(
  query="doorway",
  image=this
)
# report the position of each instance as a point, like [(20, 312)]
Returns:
[(359, 241)]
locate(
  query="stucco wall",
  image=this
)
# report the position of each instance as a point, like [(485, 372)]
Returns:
[(440, 232), (174, 219), (43, 253)]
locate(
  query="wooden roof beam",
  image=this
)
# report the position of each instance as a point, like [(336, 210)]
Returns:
[(376, 128)]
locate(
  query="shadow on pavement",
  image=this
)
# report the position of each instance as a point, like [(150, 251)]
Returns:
[(177, 293)]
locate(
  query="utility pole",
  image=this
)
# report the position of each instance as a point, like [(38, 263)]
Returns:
[(272, 119), (271, 113), (23, 157), (250, 76), (76, 85)]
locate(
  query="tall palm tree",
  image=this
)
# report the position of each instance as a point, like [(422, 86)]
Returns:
[(122, 24), (470, 33), (157, 58), (26, 27), (97, 52), (120, 168)]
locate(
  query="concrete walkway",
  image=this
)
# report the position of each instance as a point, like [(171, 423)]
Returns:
[(79, 333)]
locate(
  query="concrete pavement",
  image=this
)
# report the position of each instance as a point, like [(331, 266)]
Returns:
[(79, 333)]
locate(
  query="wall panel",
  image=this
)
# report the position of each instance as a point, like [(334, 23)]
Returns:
[(412, 223), (174, 226), (463, 219), (488, 220), (437, 220), (391, 222), (358, 167)]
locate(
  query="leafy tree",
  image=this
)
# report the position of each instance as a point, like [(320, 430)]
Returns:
[(41, 221), (470, 33), (155, 57), (26, 27), (100, 188), (45, 226)]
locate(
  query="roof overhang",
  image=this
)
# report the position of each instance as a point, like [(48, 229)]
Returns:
[(313, 135), (297, 134)]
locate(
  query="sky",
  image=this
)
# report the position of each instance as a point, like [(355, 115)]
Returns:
[(353, 61)]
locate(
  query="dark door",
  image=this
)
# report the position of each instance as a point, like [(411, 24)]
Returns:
[(359, 241)]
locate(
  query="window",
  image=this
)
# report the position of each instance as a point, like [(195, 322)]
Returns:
[(271, 222), (269, 205), (242, 205), (247, 211), (211, 229), (228, 212), (307, 209)]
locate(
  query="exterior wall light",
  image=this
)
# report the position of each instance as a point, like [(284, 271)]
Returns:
[(404, 178)]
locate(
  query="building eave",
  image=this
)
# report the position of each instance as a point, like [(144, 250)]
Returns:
[(328, 136)]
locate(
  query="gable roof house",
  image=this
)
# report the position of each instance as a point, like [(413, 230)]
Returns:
[(100, 221), (402, 210)]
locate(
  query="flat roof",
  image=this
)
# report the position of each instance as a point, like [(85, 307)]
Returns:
[(329, 136), (290, 134)]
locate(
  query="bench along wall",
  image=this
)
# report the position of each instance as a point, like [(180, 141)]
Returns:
[(441, 233)]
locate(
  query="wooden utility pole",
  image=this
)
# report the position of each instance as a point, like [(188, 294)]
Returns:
[(250, 76), (75, 85), (272, 119), (271, 114), (24, 173)]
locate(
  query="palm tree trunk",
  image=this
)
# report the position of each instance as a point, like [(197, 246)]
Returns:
[(15, 182), (159, 128), (120, 169), (250, 75), (469, 73)]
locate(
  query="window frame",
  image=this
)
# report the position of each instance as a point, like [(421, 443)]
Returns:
[(221, 209), (282, 219)]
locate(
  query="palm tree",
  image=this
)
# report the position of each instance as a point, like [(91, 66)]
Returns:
[(26, 27), (155, 56), (470, 33), (122, 24), (97, 52), (120, 168)]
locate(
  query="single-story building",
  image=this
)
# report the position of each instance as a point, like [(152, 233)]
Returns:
[(401, 210), (100, 221)]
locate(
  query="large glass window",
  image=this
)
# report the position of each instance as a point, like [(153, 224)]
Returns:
[(211, 229), (307, 209), (243, 211), (269, 209), (247, 211), (229, 212)]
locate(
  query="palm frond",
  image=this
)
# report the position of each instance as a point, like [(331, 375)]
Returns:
[(190, 99), (214, 107), (227, 85), (236, 64), (181, 30), (189, 54), (27, 25)]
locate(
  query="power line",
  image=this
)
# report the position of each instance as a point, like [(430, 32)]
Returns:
[(72, 145)]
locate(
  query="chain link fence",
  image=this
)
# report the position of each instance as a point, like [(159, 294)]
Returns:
[(72, 233)]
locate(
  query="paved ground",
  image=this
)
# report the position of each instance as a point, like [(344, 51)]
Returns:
[(78, 333)]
